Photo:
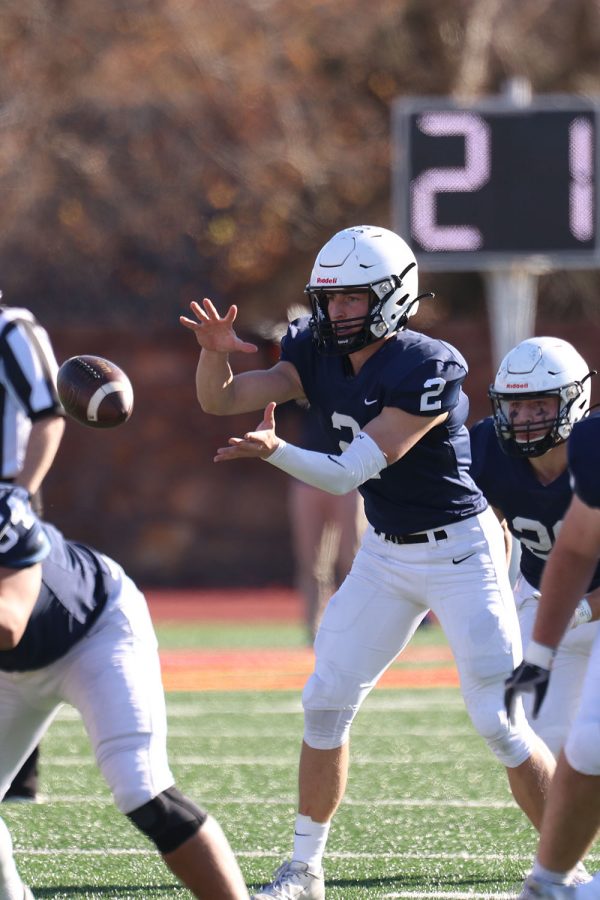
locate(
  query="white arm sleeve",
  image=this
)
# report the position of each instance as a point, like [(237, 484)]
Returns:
[(335, 474)]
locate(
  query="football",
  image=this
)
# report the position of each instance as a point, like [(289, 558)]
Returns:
[(95, 391)]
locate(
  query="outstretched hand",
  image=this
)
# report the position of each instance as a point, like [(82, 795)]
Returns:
[(215, 332), (258, 444)]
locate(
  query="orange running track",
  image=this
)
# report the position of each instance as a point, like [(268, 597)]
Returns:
[(267, 669)]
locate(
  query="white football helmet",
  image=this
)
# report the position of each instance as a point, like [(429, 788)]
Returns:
[(540, 367), (370, 259)]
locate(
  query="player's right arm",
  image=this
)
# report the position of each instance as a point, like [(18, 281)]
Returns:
[(219, 391), (19, 589)]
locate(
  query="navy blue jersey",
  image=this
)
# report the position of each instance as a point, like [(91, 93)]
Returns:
[(430, 485), (583, 452), (76, 582), (533, 511), (313, 434)]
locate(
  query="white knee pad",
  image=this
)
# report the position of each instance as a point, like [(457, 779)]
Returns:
[(512, 745), (326, 729), (582, 748), (329, 708)]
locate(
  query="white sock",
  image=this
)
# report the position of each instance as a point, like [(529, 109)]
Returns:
[(11, 886), (543, 874), (309, 842)]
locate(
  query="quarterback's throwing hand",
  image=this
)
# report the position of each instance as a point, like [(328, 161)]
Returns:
[(526, 679), (258, 444), (215, 332)]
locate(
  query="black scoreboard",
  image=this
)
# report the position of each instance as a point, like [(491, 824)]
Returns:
[(486, 185)]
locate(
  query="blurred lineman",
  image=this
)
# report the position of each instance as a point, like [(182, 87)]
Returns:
[(572, 815), (75, 629), (31, 428), (326, 532), (392, 399), (541, 390)]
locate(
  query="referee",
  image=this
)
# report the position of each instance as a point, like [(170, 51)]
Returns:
[(31, 429)]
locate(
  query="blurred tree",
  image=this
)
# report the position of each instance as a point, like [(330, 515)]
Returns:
[(155, 150)]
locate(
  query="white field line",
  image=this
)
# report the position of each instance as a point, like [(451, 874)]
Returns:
[(204, 704), (269, 854), (398, 701), (76, 799), (66, 726), (273, 762), (447, 895), (524, 858)]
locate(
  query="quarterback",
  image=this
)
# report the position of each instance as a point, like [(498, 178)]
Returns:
[(391, 401)]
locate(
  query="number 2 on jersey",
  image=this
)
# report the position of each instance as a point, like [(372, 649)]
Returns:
[(435, 387)]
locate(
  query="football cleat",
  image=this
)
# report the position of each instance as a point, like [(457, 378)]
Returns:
[(293, 881), (536, 889)]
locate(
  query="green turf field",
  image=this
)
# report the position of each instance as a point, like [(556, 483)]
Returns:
[(427, 813)]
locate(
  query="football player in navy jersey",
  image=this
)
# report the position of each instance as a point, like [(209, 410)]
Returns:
[(391, 400), (572, 816), (541, 389), (75, 629)]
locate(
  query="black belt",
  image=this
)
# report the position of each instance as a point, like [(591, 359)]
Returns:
[(423, 538)]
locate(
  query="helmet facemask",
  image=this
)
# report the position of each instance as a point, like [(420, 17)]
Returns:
[(524, 439)]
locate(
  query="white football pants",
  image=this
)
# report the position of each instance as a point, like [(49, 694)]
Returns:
[(112, 677), (568, 671), (464, 580), (582, 746)]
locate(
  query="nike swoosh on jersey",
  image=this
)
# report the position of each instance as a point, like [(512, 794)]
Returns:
[(462, 558), (370, 402)]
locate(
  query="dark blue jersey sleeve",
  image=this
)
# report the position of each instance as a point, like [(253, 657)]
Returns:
[(584, 450)]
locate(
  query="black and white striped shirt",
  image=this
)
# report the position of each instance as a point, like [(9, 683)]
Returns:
[(28, 369)]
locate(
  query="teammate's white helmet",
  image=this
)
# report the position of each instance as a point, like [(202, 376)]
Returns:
[(540, 367), (370, 259)]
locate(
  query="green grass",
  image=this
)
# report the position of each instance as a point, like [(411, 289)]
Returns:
[(427, 812)]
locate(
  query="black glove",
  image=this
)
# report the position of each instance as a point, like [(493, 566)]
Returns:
[(526, 679)]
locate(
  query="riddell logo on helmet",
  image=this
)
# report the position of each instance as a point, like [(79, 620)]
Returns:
[(516, 384), (326, 280)]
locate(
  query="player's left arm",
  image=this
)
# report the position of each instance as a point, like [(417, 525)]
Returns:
[(19, 589)]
